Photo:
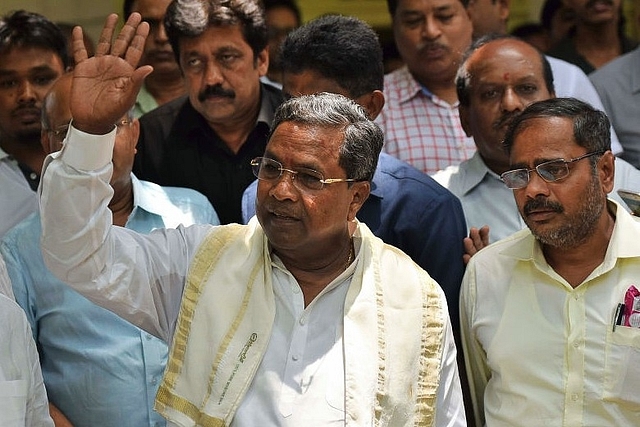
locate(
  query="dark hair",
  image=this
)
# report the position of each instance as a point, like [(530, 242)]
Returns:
[(191, 18), (392, 5), (287, 4), (127, 8), (362, 137), (27, 29), (463, 77), (527, 30), (341, 48), (590, 126)]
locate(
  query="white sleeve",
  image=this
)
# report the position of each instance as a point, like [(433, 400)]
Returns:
[(449, 402), (5, 283), (139, 277)]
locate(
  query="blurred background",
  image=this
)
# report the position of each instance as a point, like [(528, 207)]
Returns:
[(90, 14)]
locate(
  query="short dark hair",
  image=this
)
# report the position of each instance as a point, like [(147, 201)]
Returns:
[(591, 127), (392, 5), (341, 48), (362, 137), (127, 8), (27, 29), (288, 4), (463, 77), (191, 18)]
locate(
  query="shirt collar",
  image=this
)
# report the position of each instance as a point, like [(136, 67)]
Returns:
[(623, 243), (3, 154), (153, 202), (475, 171)]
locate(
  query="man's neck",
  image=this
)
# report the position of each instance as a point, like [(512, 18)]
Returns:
[(165, 87), (444, 88), (121, 204), (234, 133), (599, 44), (29, 154), (577, 263)]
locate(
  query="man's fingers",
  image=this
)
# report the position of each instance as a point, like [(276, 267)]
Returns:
[(126, 35), (104, 41), (77, 45), (136, 47)]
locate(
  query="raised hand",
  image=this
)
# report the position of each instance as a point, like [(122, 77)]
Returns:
[(478, 239), (105, 86)]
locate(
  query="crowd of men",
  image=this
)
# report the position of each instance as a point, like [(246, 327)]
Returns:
[(222, 215)]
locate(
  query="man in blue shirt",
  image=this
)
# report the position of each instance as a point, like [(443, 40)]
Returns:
[(406, 208), (99, 370)]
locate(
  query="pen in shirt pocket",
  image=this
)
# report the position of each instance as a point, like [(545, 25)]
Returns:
[(618, 317)]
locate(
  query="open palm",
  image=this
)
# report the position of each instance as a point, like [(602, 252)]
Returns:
[(105, 86)]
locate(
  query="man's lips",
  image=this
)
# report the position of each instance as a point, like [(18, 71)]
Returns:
[(27, 114)]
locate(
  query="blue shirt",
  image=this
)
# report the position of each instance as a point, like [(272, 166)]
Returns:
[(99, 370), (409, 210)]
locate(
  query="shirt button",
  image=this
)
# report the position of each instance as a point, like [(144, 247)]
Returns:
[(154, 381), (574, 397), (294, 357), (576, 344), (303, 320)]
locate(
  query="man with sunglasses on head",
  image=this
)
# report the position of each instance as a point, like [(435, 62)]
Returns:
[(300, 318), (548, 315)]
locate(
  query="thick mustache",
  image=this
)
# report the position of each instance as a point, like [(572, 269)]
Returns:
[(26, 106), (541, 203), (215, 91), (433, 45)]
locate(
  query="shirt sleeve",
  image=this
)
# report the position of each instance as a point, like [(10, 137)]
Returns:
[(449, 402), (138, 277), (5, 283), (475, 358), (37, 413)]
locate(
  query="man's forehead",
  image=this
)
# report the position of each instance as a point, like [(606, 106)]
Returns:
[(511, 58)]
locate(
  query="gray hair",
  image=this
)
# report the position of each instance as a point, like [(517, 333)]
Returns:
[(362, 137)]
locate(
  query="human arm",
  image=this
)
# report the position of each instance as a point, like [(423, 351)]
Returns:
[(450, 410), (59, 420), (138, 277), (474, 356), (478, 238)]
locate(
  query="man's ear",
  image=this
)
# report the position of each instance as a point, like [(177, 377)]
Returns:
[(504, 6), (262, 62), (464, 120), (373, 102), (361, 192), (606, 170)]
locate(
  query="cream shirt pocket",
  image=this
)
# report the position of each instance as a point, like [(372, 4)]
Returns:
[(13, 403), (622, 366)]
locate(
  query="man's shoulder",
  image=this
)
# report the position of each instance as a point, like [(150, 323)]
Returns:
[(25, 232), (165, 112), (395, 177), (184, 201), (617, 70)]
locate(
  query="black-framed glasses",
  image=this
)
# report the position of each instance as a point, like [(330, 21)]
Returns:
[(267, 169), (551, 171)]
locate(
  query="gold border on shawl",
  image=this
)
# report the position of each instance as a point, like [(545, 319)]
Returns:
[(204, 260), (431, 354)]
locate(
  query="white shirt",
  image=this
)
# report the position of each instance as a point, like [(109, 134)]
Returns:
[(541, 353), (6, 288), (303, 363), (23, 399), (17, 199)]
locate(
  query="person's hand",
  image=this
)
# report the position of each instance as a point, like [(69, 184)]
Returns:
[(478, 239), (105, 86)]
